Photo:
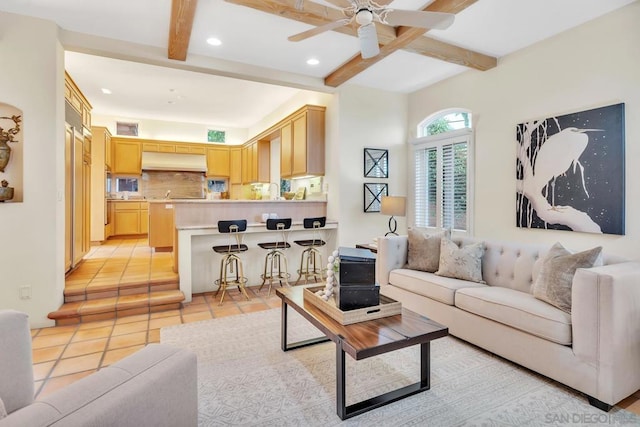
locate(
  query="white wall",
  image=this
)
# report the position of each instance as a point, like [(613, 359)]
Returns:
[(593, 65), (367, 118), (32, 252), (171, 131)]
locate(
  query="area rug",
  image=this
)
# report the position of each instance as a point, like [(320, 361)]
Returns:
[(245, 379)]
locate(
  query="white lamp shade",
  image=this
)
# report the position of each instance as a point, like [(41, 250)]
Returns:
[(394, 205)]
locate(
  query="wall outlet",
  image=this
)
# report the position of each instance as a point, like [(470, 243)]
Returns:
[(25, 292)]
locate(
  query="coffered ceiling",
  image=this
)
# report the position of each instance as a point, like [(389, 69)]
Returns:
[(255, 49)]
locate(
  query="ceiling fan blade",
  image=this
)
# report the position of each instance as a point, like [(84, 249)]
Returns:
[(368, 41), (342, 4), (417, 18), (319, 30)]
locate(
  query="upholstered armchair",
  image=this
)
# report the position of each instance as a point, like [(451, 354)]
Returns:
[(155, 386)]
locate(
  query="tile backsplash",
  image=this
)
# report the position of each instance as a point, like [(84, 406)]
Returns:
[(183, 185)]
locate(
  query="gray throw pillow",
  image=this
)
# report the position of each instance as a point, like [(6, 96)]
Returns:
[(424, 249), (461, 263), (553, 284)]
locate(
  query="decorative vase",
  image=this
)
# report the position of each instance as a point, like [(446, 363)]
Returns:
[(5, 154), (6, 193)]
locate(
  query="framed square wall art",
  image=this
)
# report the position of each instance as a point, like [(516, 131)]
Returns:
[(570, 172), (373, 193), (376, 163)]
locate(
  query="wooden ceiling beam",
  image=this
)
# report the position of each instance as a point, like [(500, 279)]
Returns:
[(404, 36), (317, 14), (182, 14)]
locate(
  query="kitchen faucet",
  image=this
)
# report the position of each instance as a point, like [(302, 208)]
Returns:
[(166, 196), (277, 195)]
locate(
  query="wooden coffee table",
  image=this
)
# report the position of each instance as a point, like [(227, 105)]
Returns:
[(362, 340)]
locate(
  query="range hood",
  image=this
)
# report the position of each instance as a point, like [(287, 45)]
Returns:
[(174, 162)]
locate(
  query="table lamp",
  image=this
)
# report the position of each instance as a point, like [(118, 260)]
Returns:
[(394, 206)]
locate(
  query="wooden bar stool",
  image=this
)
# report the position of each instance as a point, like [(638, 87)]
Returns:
[(311, 259), (231, 271), (275, 257)]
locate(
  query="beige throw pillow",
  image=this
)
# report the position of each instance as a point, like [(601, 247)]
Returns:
[(553, 284), (461, 263), (424, 249)]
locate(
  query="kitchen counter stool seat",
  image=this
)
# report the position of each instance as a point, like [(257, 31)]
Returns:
[(275, 258), (231, 270), (311, 258)]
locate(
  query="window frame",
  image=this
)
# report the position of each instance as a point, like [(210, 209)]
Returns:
[(438, 141)]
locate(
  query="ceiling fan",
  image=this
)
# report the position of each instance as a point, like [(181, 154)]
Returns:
[(366, 12)]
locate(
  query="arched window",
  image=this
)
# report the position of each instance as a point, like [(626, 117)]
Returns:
[(442, 163), (444, 121)]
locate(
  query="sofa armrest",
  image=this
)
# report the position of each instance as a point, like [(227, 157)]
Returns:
[(392, 254), (156, 386), (16, 369), (605, 317)]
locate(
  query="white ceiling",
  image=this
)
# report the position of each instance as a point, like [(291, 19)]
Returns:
[(255, 47)]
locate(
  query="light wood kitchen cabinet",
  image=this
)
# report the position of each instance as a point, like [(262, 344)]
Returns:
[(218, 161), (256, 162), (161, 225), (172, 147), (308, 142), (286, 150), (102, 137), (68, 191), (130, 218), (77, 100), (235, 166), (190, 149), (127, 157)]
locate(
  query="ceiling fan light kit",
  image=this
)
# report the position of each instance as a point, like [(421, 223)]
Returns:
[(368, 41), (366, 12)]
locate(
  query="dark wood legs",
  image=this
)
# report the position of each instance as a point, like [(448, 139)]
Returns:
[(599, 404), (358, 408), (283, 334), (345, 412)]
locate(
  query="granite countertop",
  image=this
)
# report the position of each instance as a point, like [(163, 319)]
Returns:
[(231, 201)]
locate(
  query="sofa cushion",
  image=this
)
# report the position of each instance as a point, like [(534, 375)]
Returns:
[(461, 263), (424, 249), (553, 284), (519, 310), (441, 289)]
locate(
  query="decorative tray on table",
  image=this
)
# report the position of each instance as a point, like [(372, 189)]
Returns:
[(387, 307)]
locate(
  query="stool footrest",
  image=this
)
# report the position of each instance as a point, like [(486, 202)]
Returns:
[(224, 249), (310, 242), (274, 245)]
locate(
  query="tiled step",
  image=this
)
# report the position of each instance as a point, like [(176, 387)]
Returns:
[(108, 289), (117, 306)]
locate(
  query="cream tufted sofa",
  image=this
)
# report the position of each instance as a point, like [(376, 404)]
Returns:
[(595, 349)]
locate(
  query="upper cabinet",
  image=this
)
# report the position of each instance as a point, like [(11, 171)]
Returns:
[(235, 165), (255, 162), (102, 137), (218, 161), (286, 150), (302, 143), (77, 100), (127, 157)]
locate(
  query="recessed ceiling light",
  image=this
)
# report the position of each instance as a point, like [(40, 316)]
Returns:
[(171, 102), (214, 41), (312, 61), (106, 91)]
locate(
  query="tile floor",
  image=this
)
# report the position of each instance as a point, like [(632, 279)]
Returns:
[(120, 261), (64, 354)]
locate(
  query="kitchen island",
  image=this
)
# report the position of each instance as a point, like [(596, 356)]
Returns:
[(196, 231)]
